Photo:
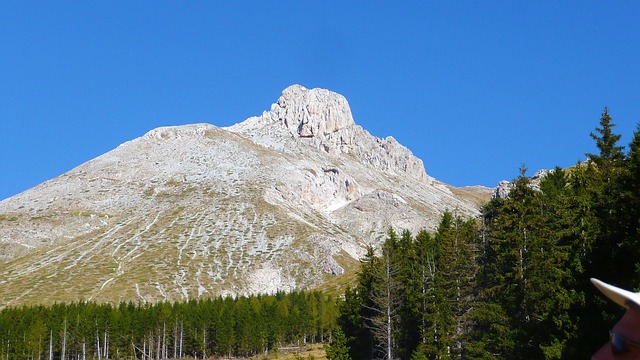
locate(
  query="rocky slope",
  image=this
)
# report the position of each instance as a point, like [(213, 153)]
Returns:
[(286, 200)]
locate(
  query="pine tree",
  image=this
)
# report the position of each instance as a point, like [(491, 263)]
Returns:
[(509, 278), (629, 215), (452, 287), (557, 271), (385, 300), (445, 292), (356, 312), (424, 267), (608, 165), (492, 335), (602, 230), (607, 143), (338, 349), (413, 273)]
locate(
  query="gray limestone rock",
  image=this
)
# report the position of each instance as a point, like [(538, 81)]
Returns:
[(282, 201)]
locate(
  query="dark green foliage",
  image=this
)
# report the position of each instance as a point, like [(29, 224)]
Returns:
[(492, 336), (515, 284), (528, 282), (607, 142), (337, 349), (244, 326), (413, 300), (630, 204)]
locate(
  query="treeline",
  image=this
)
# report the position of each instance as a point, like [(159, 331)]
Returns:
[(229, 327), (513, 284)]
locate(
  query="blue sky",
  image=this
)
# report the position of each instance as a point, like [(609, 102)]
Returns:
[(473, 88)]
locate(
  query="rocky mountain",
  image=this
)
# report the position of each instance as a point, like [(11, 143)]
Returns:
[(286, 200)]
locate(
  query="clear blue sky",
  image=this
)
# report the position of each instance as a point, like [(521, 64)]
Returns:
[(473, 88)]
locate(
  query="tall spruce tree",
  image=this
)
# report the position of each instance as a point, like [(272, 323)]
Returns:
[(385, 298), (607, 171), (630, 214), (607, 143), (451, 289), (355, 310), (492, 335), (603, 256), (338, 349), (558, 268), (410, 314), (426, 252), (512, 271)]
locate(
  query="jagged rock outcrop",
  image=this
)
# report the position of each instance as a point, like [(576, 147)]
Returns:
[(504, 187), (287, 200), (502, 190), (323, 119), (312, 113)]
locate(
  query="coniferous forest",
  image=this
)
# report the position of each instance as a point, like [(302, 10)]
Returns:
[(513, 284), (220, 327), (510, 284)]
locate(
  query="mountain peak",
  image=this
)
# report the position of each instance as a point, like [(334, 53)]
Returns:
[(293, 90), (286, 200), (306, 113), (322, 119), (314, 112)]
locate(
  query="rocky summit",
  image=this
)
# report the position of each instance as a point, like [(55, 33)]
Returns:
[(286, 200)]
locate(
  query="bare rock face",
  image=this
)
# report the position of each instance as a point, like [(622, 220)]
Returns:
[(312, 113), (304, 113), (503, 189), (323, 120), (283, 201)]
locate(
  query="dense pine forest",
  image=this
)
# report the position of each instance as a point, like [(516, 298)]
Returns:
[(513, 284), (510, 284), (221, 327)]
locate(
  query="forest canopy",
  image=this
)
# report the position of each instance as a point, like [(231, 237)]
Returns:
[(230, 327), (514, 283)]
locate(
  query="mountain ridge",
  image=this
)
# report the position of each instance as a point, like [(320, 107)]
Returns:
[(286, 200)]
